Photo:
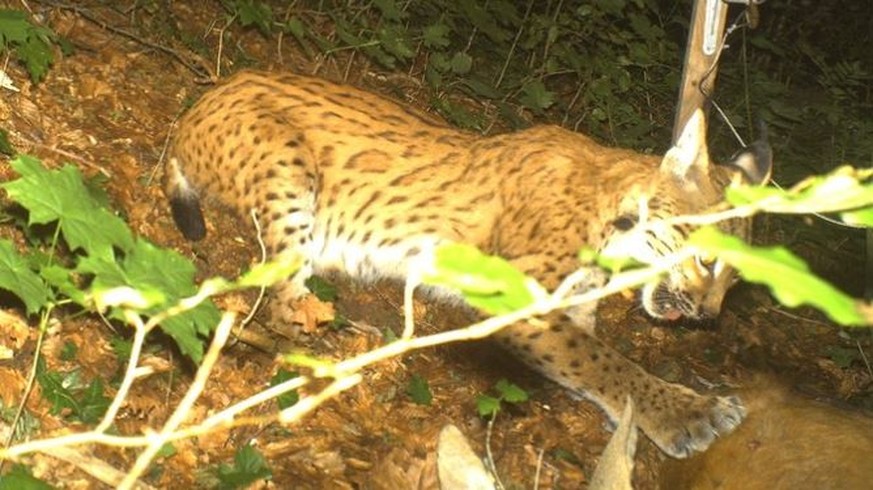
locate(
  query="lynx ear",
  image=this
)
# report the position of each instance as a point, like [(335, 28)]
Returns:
[(689, 151), (755, 160)]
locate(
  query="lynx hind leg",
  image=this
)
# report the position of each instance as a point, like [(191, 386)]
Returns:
[(677, 419)]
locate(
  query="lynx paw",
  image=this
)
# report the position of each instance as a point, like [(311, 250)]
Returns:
[(690, 422)]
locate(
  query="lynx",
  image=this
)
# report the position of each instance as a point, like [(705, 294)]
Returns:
[(357, 182)]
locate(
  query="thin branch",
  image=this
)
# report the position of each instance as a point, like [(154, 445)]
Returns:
[(201, 69), (183, 409)]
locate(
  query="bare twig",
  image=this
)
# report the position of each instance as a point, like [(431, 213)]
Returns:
[(864, 357), (95, 467), (165, 147), (539, 470), (489, 456), (221, 45), (260, 237), (129, 373), (201, 68), (71, 156), (183, 409), (31, 380), (514, 45)]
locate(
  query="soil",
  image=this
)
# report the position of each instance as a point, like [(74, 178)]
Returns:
[(108, 109)]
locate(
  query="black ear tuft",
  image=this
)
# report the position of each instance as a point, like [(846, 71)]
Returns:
[(188, 216), (756, 160)]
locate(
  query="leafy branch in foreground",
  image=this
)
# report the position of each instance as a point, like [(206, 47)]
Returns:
[(490, 283), (846, 191), (102, 255)]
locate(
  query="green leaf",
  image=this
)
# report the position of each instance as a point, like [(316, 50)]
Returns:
[(322, 289), (841, 356), (17, 278), (510, 392), (487, 282), (845, 188), (297, 29), (290, 398), (5, 146), (121, 347), (458, 114), (60, 195), (61, 279), (487, 406), (162, 277), (248, 467), (36, 53), (394, 40), (565, 455), (436, 35), (861, 217), (14, 26), (69, 351), (150, 268), (166, 451), (419, 390), (55, 389), (31, 43), (254, 13), (389, 336), (270, 273), (93, 403), (389, 9), (536, 97), (461, 63), (19, 478), (788, 277), (481, 88), (484, 21)]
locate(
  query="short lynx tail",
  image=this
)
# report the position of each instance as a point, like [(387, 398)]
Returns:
[(184, 203)]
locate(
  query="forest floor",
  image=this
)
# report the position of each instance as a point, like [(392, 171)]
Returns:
[(109, 108)]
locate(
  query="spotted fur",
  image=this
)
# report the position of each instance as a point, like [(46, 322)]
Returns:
[(356, 182)]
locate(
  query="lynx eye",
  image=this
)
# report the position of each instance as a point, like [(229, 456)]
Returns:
[(624, 222)]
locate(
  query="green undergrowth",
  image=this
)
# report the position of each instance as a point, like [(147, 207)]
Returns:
[(29, 43), (610, 68), (78, 255), (77, 248)]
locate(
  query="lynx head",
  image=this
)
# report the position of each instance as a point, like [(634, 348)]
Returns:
[(685, 184)]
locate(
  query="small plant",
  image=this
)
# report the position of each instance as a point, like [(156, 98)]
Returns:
[(70, 395), (20, 477), (419, 390), (489, 406), (248, 467), (290, 398), (30, 43), (251, 13)]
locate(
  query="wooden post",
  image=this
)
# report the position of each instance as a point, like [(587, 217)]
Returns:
[(704, 41)]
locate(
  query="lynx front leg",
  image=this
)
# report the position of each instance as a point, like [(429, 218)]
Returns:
[(679, 420), (286, 202)]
